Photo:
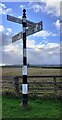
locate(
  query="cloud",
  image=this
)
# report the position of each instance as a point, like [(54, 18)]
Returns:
[(36, 7), (52, 7), (5, 30), (5, 35), (9, 11), (61, 10), (8, 31), (12, 54), (36, 53), (2, 64), (32, 5), (57, 24), (48, 6), (22, 6), (4, 10), (2, 5), (44, 53), (20, 17), (30, 44), (12, 49), (11, 58), (40, 53), (44, 34), (2, 29)]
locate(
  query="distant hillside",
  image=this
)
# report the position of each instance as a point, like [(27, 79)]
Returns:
[(39, 66)]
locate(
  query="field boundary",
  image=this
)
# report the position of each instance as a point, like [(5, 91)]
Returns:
[(42, 86)]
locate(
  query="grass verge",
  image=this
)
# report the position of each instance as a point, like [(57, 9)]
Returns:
[(39, 108)]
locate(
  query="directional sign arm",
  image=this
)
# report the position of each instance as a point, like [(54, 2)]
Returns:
[(30, 23), (38, 27), (18, 20), (14, 19), (17, 37)]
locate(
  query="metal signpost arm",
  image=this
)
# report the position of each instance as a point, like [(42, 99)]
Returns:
[(24, 69), (18, 20)]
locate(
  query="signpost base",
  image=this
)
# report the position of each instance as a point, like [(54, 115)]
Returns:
[(25, 104)]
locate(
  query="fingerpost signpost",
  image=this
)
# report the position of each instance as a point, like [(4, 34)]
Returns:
[(32, 28)]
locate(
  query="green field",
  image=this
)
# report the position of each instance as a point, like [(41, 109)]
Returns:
[(11, 71), (38, 108)]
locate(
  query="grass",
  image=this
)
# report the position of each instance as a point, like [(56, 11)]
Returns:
[(0, 106), (31, 71), (38, 108)]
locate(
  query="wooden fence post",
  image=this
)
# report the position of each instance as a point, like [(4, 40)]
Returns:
[(16, 83), (55, 87)]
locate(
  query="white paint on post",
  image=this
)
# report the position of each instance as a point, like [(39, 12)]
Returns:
[(24, 29), (24, 70), (24, 52), (24, 19), (24, 88)]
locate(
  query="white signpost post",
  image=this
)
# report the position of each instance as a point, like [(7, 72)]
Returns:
[(32, 28)]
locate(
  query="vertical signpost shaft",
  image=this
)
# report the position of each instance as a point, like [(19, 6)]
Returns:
[(32, 28), (24, 69)]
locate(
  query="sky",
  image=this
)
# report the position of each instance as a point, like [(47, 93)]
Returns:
[(42, 47)]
